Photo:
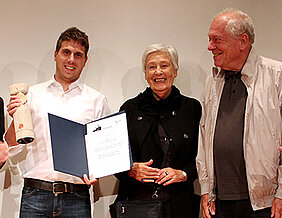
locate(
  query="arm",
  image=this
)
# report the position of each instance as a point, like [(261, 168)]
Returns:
[(102, 108), (276, 210), (3, 153), (207, 201), (140, 171), (186, 159), (143, 172), (10, 135), (2, 129), (3, 147), (169, 176), (203, 148), (208, 207)]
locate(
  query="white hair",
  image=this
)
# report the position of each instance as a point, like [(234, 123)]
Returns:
[(171, 51), (238, 23)]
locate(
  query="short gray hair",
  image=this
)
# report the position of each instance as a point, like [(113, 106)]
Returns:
[(171, 51), (238, 23)]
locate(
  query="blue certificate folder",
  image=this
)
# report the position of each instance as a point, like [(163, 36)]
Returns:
[(69, 145)]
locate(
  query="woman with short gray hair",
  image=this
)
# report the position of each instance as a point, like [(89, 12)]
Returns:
[(163, 133)]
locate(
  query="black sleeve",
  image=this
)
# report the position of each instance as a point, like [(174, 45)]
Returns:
[(123, 175), (2, 129)]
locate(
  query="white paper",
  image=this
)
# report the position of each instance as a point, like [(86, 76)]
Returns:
[(107, 146)]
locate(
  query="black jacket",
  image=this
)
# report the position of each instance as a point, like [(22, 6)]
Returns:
[(179, 116)]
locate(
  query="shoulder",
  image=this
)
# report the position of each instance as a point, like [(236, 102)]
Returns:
[(191, 101), (271, 62), (94, 97), (130, 103), (264, 62), (39, 86), (191, 105), (270, 70), (37, 90), (93, 93)]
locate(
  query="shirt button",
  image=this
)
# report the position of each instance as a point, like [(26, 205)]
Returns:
[(186, 136), (173, 113), (139, 118)]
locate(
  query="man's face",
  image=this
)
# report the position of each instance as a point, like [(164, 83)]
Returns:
[(225, 48), (70, 61), (160, 74)]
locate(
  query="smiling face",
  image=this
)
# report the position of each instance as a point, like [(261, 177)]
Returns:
[(160, 74), (70, 61), (227, 51)]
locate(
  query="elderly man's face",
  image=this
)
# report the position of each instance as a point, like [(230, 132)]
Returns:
[(160, 74), (225, 49)]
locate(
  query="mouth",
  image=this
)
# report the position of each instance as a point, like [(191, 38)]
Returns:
[(160, 80), (217, 54), (69, 67)]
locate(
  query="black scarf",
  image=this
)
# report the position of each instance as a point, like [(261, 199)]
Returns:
[(156, 111)]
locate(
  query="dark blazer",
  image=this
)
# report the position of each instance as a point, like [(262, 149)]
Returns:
[(181, 123), (2, 129)]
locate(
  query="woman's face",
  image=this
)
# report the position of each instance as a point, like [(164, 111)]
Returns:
[(160, 74)]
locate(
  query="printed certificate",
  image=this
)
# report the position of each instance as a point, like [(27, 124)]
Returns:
[(100, 147)]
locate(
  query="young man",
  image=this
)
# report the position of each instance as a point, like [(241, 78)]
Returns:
[(238, 159), (47, 192)]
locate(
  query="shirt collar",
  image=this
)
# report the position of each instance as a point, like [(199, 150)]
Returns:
[(229, 74), (78, 83), (248, 71)]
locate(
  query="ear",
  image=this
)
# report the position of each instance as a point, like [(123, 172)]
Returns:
[(145, 74), (175, 73), (244, 41), (86, 58), (55, 55)]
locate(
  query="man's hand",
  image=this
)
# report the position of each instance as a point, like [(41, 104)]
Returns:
[(13, 105), (169, 176), (91, 181), (207, 207), (3, 152), (276, 210), (143, 172)]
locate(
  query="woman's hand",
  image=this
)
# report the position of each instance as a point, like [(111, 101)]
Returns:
[(13, 105), (143, 172), (169, 176), (91, 181)]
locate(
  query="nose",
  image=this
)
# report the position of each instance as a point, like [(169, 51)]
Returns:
[(71, 58), (211, 45), (158, 70)]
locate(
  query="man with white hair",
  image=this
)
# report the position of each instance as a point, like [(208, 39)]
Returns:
[(238, 159)]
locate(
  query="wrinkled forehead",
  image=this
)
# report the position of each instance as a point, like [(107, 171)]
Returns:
[(218, 25), (157, 56)]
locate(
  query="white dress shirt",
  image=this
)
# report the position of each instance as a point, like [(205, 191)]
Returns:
[(79, 103)]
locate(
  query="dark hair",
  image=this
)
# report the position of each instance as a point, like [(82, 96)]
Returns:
[(74, 34)]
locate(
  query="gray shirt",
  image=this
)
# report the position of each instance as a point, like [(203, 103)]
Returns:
[(228, 140)]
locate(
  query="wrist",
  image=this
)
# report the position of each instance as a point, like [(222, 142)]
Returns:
[(184, 175)]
